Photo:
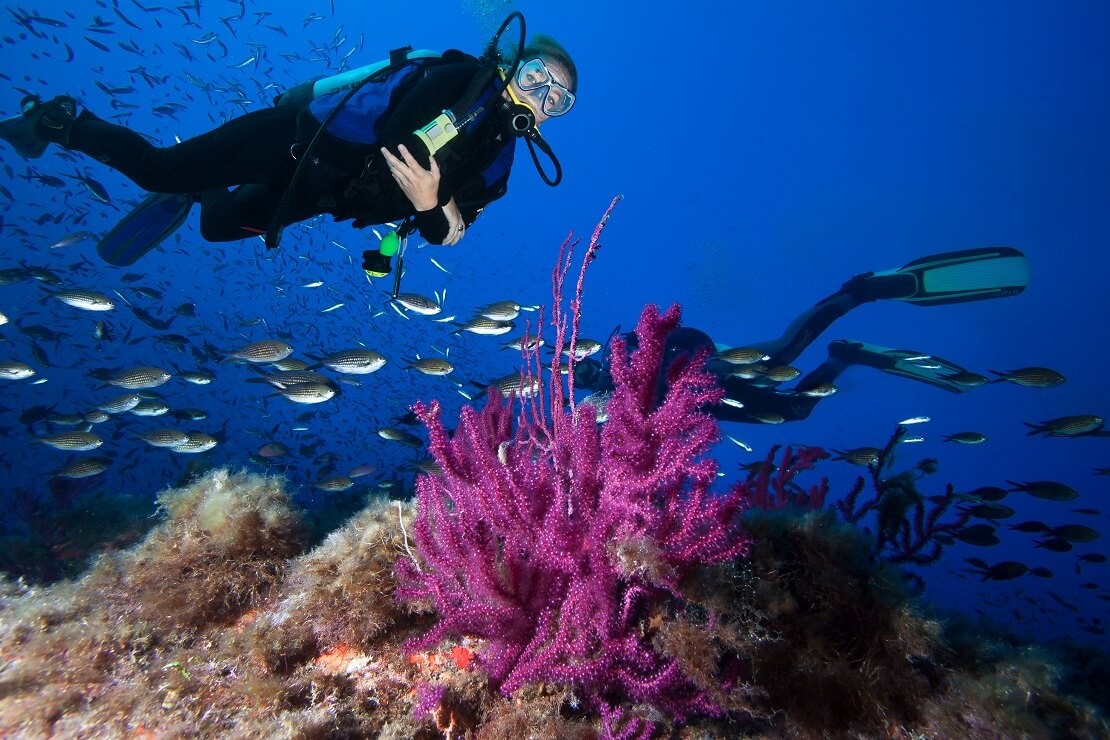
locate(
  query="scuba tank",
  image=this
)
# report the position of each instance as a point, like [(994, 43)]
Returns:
[(304, 93)]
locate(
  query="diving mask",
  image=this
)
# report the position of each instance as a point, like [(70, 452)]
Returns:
[(536, 81)]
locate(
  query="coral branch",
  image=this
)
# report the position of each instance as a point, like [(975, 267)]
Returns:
[(556, 543)]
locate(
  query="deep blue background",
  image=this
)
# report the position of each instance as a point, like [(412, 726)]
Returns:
[(767, 152)]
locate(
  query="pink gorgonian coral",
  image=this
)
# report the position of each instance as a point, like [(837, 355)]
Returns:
[(554, 538)]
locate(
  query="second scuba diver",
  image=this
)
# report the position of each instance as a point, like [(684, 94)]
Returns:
[(373, 149), (751, 376)]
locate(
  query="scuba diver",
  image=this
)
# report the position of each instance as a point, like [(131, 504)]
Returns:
[(422, 137), (751, 375)]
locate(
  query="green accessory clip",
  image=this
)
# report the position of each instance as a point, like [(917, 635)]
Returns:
[(390, 244)]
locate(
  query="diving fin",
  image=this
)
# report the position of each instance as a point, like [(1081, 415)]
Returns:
[(905, 363), (19, 131), (147, 226), (952, 277)]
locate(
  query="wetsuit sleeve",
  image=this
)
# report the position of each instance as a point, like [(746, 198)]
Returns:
[(433, 225)]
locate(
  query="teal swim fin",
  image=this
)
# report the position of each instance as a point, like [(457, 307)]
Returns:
[(906, 363), (147, 226), (953, 277)]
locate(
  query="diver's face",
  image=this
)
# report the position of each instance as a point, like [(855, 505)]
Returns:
[(540, 94)]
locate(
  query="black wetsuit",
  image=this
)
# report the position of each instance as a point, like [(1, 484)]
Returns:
[(764, 402), (254, 154)]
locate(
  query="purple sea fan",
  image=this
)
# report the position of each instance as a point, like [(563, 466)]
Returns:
[(555, 540)]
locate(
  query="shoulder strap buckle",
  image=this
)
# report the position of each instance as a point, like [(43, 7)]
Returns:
[(397, 57)]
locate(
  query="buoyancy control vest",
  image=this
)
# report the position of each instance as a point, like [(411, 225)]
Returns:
[(346, 178)]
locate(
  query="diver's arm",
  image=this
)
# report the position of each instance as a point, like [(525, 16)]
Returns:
[(421, 187), (456, 224)]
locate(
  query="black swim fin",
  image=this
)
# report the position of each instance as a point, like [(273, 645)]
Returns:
[(952, 277), (147, 226), (19, 131), (906, 363)]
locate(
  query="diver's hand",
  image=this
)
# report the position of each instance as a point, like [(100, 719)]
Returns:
[(420, 186), (456, 224)]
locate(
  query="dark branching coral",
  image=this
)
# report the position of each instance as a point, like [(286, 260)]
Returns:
[(906, 529)]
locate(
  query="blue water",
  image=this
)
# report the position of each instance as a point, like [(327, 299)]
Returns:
[(766, 154)]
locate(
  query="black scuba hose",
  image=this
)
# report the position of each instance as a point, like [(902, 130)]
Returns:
[(489, 59), (535, 140)]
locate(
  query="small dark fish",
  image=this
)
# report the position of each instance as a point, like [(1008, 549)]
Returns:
[(186, 309), (1067, 426), (1093, 557), (1075, 533), (482, 325), (42, 333), (1030, 377), (148, 292), (1030, 527), (1046, 489), (782, 373), (1053, 545), (1090, 512), (150, 320), (1067, 605), (1041, 572), (44, 275), (45, 21), (966, 438), (742, 356), (513, 385), (1004, 571), (308, 392), (967, 379), (95, 189), (272, 449), (989, 511), (189, 414), (862, 456), (97, 44), (127, 20), (988, 493), (49, 180), (399, 435), (980, 535), (1102, 471), (177, 341), (84, 467)]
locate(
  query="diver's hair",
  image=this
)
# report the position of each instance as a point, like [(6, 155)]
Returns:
[(544, 46)]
